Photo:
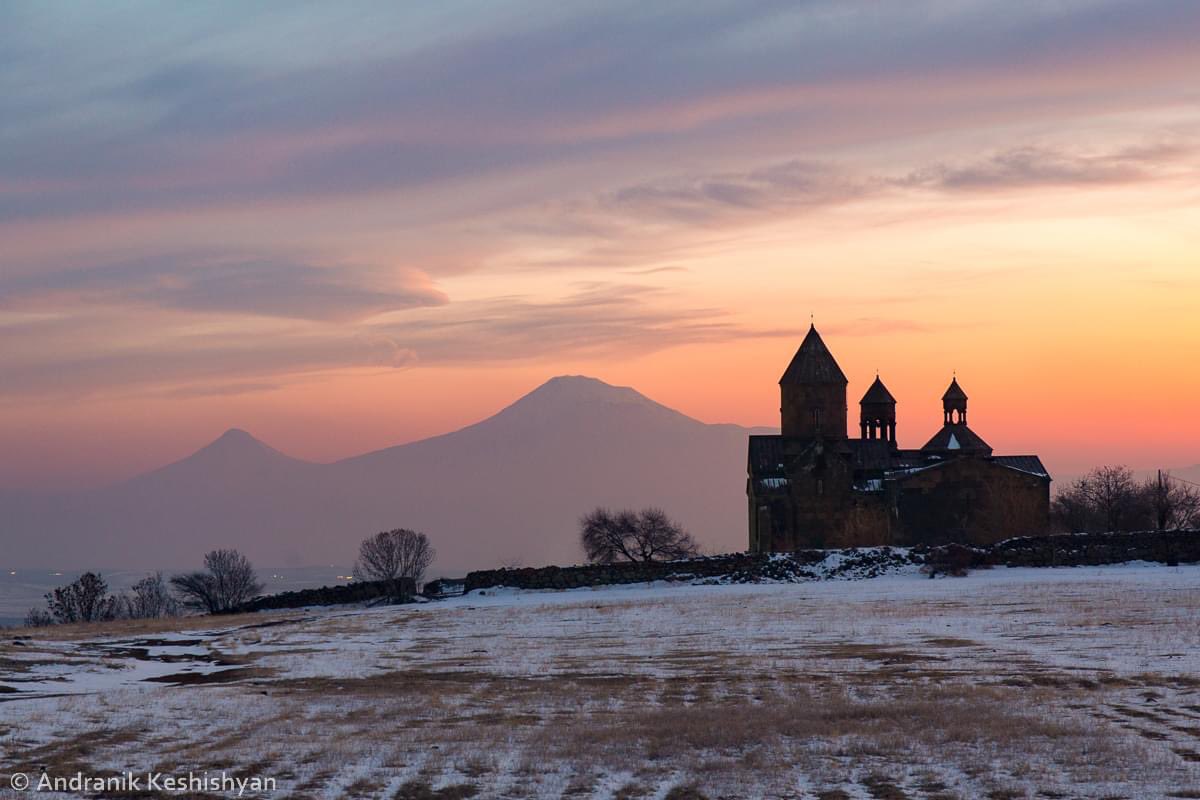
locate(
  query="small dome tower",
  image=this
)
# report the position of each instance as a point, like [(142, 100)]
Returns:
[(877, 413), (954, 401), (955, 438)]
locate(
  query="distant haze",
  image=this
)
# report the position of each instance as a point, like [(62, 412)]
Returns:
[(508, 490)]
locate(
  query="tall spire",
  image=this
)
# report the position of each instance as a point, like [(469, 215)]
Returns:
[(813, 392), (813, 363)]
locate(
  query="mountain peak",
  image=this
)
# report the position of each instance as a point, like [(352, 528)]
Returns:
[(564, 391), (568, 399), (236, 443), (236, 435), (584, 387)]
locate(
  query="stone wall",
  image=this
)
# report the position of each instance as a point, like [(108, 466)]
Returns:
[(607, 574), (357, 592), (801, 565), (1092, 549), (1061, 550), (970, 501)]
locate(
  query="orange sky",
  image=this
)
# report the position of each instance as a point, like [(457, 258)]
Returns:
[(343, 253)]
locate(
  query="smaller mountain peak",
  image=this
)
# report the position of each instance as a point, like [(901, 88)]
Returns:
[(235, 439)]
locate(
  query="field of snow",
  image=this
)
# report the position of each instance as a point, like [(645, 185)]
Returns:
[(1008, 683)]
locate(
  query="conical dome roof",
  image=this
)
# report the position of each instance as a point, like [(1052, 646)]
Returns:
[(955, 391), (813, 363), (878, 393)]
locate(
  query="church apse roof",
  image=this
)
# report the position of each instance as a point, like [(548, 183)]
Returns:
[(957, 438), (1031, 464), (813, 363)]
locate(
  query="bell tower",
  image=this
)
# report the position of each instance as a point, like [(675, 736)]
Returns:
[(877, 414), (954, 404), (813, 393)]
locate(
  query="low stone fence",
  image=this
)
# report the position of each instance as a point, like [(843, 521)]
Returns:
[(611, 574), (1058, 550), (731, 567), (1093, 549), (356, 592)]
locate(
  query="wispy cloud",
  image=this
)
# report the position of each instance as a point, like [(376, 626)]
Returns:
[(788, 186), (594, 321), (1036, 166), (216, 113), (203, 282), (639, 225)]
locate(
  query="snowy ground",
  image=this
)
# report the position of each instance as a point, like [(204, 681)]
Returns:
[(1007, 683)]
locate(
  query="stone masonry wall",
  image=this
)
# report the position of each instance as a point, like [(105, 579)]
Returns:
[(1061, 550)]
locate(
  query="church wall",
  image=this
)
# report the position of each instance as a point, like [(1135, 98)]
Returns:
[(970, 501)]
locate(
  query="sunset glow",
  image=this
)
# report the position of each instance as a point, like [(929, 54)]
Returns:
[(347, 228)]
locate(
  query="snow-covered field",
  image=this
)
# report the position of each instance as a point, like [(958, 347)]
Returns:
[(1007, 683)]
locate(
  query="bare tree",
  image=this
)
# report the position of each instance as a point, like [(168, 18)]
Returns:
[(649, 535), (1107, 498), (228, 582), (1173, 504), (84, 600), (150, 598), (1072, 511), (392, 555)]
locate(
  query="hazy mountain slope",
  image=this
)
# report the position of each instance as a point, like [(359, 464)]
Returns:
[(513, 486), (508, 489)]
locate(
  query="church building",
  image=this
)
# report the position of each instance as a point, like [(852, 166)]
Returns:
[(813, 486)]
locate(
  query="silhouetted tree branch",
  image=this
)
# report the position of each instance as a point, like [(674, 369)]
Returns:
[(392, 555), (648, 535), (229, 581), (1110, 499), (84, 600), (1174, 505)]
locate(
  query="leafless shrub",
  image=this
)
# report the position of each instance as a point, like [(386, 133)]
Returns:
[(649, 535), (1106, 499), (1110, 499), (149, 598), (393, 555), (229, 582), (1174, 505), (84, 600)]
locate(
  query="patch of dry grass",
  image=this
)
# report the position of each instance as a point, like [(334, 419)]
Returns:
[(661, 697)]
